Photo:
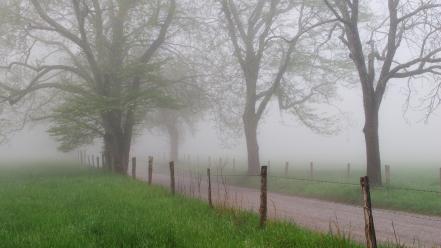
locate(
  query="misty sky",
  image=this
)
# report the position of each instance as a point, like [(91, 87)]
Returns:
[(282, 137)]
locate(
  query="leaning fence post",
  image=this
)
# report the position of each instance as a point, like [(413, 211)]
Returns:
[(387, 174), (371, 240), (150, 171), (97, 162), (311, 170), (286, 167), (210, 202), (263, 195), (134, 167), (172, 177)]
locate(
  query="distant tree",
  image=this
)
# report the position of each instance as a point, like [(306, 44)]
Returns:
[(175, 124), (404, 44), (192, 103), (102, 54), (276, 45)]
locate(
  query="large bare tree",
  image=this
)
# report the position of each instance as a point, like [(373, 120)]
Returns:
[(404, 44), (269, 39)]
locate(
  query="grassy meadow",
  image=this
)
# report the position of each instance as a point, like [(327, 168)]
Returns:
[(67, 206)]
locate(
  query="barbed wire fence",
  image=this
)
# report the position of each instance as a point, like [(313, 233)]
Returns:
[(196, 182)]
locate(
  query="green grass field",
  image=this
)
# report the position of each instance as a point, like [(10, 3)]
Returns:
[(397, 196), (66, 206)]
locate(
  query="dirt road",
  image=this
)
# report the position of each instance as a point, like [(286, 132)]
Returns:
[(413, 230)]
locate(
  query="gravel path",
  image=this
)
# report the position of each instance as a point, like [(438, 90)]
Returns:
[(413, 230)]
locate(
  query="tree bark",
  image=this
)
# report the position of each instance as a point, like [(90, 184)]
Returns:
[(250, 127), (370, 130), (117, 142), (107, 141), (121, 155)]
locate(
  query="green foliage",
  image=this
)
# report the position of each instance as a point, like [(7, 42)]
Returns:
[(109, 81), (77, 121), (62, 206)]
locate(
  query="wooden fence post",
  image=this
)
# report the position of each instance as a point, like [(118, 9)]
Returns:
[(150, 170), (92, 157), (111, 162), (134, 167), (371, 240), (234, 164), (172, 177), (348, 172), (311, 170), (440, 177), (210, 202), (387, 174), (97, 161), (81, 158), (286, 168), (103, 161), (263, 196)]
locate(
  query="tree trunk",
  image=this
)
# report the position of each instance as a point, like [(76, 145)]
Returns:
[(250, 127), (117, 144), (120, 155), (107, 140), (173, 141), (370, 130)]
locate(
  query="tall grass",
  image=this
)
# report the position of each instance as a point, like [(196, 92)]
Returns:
[(53, 206)]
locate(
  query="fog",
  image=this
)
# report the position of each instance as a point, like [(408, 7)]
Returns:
[(406, 140), (295, 110)]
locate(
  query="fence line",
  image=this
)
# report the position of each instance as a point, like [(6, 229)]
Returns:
[(197, 175), (314, 180), (385, 188), (91, 162)]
